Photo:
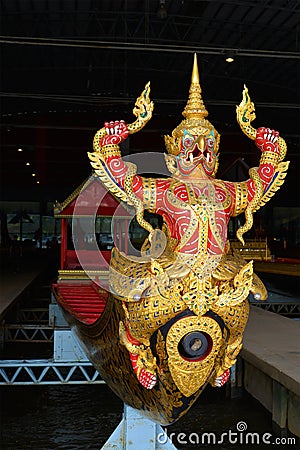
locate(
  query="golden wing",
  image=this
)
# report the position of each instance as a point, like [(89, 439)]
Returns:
[(276, 183), (98, 164)]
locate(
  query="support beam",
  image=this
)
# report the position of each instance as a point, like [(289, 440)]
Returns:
[(47, 372), (137, 432)]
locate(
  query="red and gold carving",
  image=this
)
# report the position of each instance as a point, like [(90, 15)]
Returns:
[(196, 288)]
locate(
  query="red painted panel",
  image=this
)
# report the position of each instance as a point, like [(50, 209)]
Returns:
[(82, 301), (89, 259)]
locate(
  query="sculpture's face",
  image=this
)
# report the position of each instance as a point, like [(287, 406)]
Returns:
[(197, 149)]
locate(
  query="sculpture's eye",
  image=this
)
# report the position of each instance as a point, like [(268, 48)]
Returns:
[(188, 141), (210, 143), (195, 346)]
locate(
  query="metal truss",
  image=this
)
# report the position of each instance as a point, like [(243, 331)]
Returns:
[(284, 308), (47, 372), (33, 315), (144, 24), (28, 333)]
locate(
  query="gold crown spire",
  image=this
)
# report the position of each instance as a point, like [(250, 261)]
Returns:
[(195, 107), (194, 115)]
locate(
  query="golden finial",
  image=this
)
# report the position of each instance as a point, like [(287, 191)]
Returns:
[(195, 107), (195, 73)]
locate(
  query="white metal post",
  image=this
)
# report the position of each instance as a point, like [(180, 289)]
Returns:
[(136, 432)]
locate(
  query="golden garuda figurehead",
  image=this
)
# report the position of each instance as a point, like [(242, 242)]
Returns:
[(195, 141)]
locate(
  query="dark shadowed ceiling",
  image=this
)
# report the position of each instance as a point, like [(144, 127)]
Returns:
[(68, 65)]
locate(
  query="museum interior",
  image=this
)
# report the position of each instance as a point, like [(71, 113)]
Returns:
[(69, 66)]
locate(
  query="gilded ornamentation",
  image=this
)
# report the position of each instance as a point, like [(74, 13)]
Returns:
[(189, 376), (134, 199), (241, 198), (277, 182), (142, 110), (184, 299), (252, 205), (246, 114)]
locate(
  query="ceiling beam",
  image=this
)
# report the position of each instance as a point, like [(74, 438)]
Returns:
[(146, 47)]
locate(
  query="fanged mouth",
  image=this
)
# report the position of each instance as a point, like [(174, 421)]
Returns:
[(196, 154)]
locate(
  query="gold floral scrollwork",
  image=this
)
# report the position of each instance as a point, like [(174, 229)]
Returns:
[(242, 283), (200, 296), (189, 376), (199, 304), (236, 319)]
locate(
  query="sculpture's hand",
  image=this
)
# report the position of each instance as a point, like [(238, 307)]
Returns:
[(266, 140), (220, 381), (117, 132)]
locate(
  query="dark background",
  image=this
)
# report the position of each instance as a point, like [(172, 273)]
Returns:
[(69, 65)]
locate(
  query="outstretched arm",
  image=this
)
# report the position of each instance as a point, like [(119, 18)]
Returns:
[(116, 174), (269, 176), (108, 147), (267, 141), (106, 158)]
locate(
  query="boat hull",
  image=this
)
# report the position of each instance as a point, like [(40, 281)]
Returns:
[(164, 403)]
